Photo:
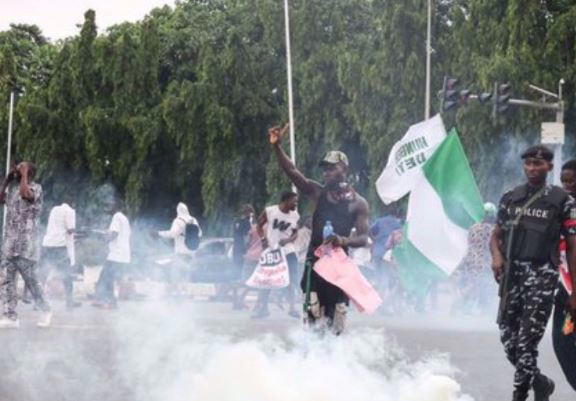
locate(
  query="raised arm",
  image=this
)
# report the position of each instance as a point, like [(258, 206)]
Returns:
[(4, 187), (7, 180), (25, 191), (305, 186)]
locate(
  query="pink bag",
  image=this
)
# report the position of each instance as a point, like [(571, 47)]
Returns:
[(338, 269)]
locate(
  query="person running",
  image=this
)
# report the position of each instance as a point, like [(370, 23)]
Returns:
[(22, 197), (119, 257), (281, 222), (525, 258), (334, 201), (563, 336), (58, 248), (178, 232)]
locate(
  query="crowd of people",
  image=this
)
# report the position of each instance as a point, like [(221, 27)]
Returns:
[(522, 245)]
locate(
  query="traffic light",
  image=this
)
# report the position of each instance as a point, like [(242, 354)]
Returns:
[(502, 98), (464, 95), (449, 94), (451, 97), (484, 97)]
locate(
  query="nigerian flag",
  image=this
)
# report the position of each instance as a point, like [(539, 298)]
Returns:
[(441, 208)]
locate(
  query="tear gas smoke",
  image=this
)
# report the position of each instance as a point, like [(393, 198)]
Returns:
[(169, 356), (157, 351)]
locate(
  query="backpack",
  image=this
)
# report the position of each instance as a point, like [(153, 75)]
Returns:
[(192, 236)]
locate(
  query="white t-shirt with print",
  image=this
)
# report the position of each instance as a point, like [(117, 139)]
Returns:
[(281, 226), (119, 248)]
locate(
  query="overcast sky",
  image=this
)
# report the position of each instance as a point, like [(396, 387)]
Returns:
[(58, 18)]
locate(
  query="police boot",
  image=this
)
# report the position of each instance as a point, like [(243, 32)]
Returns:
[(543, 387)]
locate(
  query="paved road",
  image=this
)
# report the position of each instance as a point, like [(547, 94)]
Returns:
[(154, 351)]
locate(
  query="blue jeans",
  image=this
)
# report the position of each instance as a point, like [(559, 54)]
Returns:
[(105, 285)]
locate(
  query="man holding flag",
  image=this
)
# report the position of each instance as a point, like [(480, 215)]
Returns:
[(335, 202), (525, 259)]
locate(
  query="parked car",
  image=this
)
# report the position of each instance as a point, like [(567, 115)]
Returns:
[(213, 262)]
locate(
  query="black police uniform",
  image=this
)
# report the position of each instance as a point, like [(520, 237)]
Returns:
[(533, 273)]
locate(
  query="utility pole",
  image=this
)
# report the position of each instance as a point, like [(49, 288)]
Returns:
[(289, 77), (8, 151), (428, 60)]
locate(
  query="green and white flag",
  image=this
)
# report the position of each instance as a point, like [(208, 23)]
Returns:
[(441, 209), (404, 168)]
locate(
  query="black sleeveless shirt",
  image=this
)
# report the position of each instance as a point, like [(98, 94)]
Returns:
[(337, 213)]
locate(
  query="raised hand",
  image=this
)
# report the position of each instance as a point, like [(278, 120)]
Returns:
[(276, 134)]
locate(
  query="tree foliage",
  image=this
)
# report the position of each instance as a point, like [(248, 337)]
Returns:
[(176, 106)]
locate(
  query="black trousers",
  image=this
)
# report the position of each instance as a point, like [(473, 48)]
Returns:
[(328, 294), (564, 345)]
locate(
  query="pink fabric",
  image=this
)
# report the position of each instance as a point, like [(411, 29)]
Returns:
[(338, 269)]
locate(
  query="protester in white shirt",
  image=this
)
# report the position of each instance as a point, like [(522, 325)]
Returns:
[(119, 256), (177, 231), (58, 248), (281, 222), (177, 270)]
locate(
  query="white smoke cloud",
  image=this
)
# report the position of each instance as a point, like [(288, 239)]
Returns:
[(168, 356)]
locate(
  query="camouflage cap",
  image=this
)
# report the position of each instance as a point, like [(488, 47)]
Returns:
[(334, 157)]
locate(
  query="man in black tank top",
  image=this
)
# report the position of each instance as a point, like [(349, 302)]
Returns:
[(335, 201)]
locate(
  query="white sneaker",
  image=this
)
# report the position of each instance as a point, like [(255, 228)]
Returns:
[(7, 323), (45, 319)]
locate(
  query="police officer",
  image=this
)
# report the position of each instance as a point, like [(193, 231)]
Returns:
[(524, 246)]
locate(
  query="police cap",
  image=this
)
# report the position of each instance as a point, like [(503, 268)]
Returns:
[(538, 152)]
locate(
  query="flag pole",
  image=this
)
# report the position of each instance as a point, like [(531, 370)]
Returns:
[(8, 151)]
